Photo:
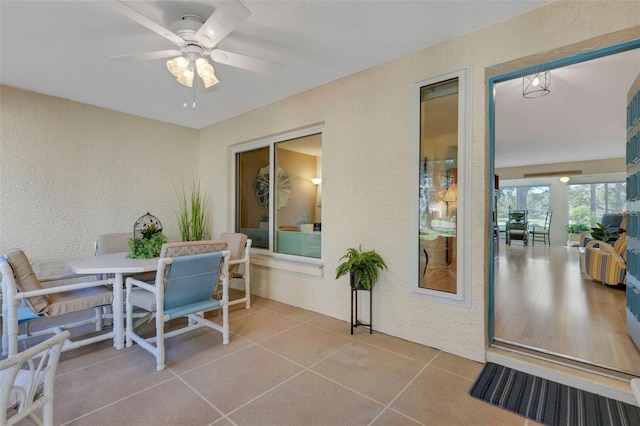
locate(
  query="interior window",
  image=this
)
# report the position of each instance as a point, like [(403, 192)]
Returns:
[(278, 203)]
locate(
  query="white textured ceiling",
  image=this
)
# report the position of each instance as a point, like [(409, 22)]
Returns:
[(61, 48), (582, 118)]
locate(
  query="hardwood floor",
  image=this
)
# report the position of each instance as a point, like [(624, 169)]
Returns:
[(542, 300)]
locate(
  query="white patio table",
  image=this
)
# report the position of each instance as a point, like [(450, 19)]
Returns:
[(117, 264)]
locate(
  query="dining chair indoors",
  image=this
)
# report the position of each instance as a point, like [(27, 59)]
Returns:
[(27, 382), (24, 299), (183, 287), (542, 232), (239, 246), (517, 227)]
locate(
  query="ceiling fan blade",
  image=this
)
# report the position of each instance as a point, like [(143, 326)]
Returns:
[(160, 54), (138, 17), (245, 62), (221, 22)]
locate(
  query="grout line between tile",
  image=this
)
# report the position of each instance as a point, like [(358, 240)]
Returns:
[(119, 400), (388, 406), (224, 416), (304, 369), (221, 357), (118, 354)]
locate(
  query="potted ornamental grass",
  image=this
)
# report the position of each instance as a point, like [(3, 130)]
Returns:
[(192, 213), (363, 267)]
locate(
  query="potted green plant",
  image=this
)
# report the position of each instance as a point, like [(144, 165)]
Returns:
[(149, 245), (305, 224), (574, 230), (600, 232), (264, 221), (363, 266)]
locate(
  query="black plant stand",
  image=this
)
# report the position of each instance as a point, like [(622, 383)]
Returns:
[(354, 308)]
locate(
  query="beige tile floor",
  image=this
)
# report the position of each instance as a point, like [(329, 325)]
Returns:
[(283, 366)]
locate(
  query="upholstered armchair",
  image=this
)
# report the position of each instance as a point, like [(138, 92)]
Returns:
[(607, 263)]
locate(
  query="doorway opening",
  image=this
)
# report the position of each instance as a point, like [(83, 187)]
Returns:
[(540, 299)]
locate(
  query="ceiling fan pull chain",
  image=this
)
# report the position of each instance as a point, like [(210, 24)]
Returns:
[(193, 105)]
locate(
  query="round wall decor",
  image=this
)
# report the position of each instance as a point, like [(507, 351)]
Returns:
[(282, 187)]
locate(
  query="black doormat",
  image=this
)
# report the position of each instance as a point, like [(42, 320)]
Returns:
[(548, 402)]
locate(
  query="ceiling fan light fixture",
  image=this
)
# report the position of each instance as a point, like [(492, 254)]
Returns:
[(205, 71), (177, 66), (186, 78), (536, 85)]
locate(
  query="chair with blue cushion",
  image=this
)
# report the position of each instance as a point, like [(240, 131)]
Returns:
[(24, 299), (183, 287)]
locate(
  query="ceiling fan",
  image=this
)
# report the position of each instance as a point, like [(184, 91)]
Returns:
[(195, 39)]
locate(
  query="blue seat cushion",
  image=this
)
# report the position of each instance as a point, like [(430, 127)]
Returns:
[(191, 280)]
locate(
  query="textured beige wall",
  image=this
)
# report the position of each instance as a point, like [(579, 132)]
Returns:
[(366, 156), (69, 172)]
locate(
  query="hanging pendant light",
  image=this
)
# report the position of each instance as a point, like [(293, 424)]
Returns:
[(536, 85)]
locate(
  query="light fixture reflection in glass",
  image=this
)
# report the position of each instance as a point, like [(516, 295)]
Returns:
[(564, 179), (536, 85), (317, 181), (452, 193)]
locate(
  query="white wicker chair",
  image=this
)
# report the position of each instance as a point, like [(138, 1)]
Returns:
[(23, 391)]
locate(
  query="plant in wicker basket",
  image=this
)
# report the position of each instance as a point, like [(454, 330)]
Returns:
[(363, 266), (146, 248), (147, 238)]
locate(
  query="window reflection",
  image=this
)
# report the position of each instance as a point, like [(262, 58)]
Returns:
[(280, 207), (252, 196), (439, 186)]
